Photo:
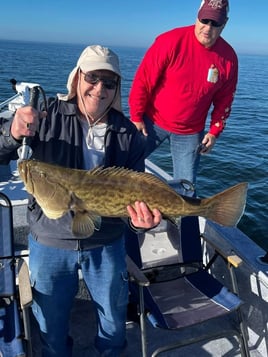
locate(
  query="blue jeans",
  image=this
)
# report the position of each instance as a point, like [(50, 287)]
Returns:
[(54, 278), (184, 150)]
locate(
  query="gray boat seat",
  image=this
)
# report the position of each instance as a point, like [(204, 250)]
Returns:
[(15, 290), (174, 290)]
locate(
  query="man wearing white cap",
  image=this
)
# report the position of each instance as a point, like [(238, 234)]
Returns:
[(184, 72), (82, 129)]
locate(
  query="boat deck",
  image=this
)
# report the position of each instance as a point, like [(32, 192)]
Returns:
[(83, 329)]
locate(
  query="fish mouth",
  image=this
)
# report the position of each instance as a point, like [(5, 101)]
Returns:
[(22, 171), (24, 174)]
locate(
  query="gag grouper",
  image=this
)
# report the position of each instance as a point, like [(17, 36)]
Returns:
[(106, 192)]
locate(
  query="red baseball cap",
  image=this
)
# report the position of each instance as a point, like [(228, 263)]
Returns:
[(216, 10)]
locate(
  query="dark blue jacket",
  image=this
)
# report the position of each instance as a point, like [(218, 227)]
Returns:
[(59, 141)]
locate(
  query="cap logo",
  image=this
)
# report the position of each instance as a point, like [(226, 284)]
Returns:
[(216, 4)]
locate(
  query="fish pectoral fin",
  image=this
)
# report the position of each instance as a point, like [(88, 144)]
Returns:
[(84, 224), (97, 221)]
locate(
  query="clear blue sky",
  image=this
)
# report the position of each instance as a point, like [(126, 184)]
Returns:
[(126, 22)]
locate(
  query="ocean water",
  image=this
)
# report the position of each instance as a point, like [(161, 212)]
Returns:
[(240, 153)]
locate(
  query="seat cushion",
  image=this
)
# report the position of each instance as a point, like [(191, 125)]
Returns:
[(189, 300)]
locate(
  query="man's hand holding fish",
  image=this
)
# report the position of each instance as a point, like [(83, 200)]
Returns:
[(142, 217)]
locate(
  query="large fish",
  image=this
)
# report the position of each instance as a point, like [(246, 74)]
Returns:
[(107, 192)]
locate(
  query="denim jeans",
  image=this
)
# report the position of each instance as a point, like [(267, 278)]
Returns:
[(54, 278), (183, 148)]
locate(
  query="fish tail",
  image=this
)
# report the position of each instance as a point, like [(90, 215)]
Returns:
[(227, 207)]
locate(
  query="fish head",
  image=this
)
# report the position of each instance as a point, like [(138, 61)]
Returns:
[(46, 187), (35, 177)]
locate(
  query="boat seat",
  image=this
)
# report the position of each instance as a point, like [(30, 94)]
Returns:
[(15, 290), (176, 292)]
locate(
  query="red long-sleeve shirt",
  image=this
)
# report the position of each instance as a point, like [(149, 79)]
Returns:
[(172, 86)]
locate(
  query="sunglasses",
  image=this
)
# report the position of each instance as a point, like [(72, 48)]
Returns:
[(92, 78), (212, 22)]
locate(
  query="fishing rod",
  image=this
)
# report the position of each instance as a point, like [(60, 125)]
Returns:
[(25, 151)]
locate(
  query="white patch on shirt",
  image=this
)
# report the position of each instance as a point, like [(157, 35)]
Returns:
[(93, 144)]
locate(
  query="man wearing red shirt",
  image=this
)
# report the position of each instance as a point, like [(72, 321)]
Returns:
[(183, 73)]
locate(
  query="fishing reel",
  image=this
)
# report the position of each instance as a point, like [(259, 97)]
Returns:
[(29, 95), (23, 94)]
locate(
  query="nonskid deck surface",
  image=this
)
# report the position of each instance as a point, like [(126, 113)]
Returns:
[(83, 329)]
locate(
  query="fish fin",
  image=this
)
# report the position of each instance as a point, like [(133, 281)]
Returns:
[(227, 207), (174, 220), (84, 224), (115, 171), (97, 221)]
